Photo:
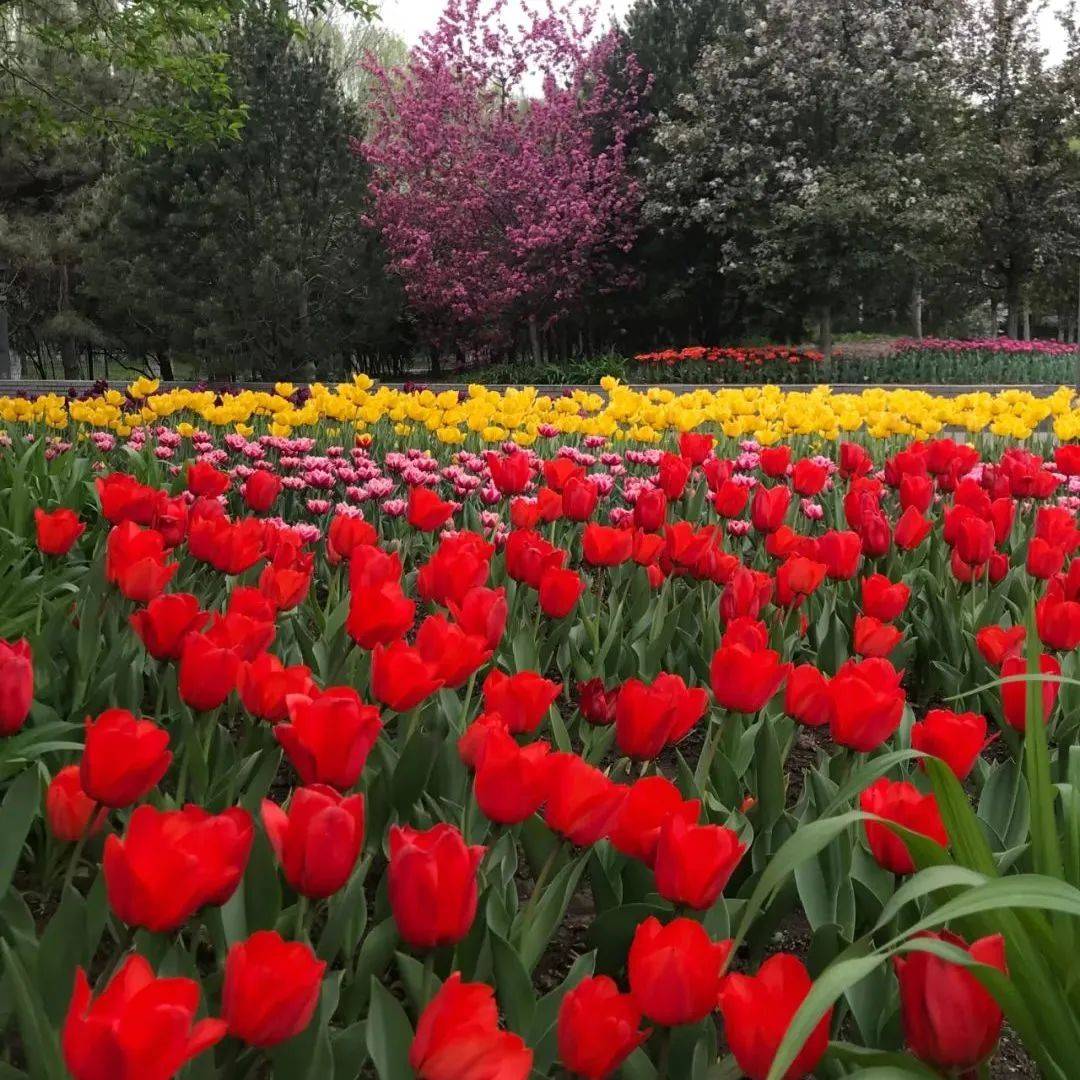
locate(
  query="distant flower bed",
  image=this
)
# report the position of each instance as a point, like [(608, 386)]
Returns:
[(752, 357), (1006, 346), (905, 361)]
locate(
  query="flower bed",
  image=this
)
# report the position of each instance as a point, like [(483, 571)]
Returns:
[(341, 735), (999, 361)]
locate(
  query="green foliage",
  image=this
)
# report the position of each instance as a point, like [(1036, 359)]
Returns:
[(246, 255)]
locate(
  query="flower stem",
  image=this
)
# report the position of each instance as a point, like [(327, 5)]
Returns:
[(542, 880), (69, 876)]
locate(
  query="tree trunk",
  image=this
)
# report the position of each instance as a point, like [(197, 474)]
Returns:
[(165, 365), (826, 334), (1014, 304), (1027, 321), (69, 357), (5, 345), (534, 341), (917, 306), (993, 318)]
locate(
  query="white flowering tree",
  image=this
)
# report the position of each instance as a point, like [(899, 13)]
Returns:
[(816, 153)]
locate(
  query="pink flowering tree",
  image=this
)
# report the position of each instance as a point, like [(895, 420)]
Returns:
[(499, 170)]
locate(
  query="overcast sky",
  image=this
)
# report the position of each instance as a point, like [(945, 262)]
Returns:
[(410, 18)]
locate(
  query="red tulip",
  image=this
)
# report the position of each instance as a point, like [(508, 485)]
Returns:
[(867, 704), (285, 584), (471, 744), (558, 470), (328, 738), (602, 545), (265, 685), (808, 477), (400, 677), (797, 578), (1058, 623), (730, 499), (806, 696), (1057, 526), (460, 563), (696, 447), (911, 530), (528, 555), (972, 537), (751, 633), (522, 700), (135, 562), (746, 593), (16, 685), (672, 476), (873, 638), (229, 547), (579, 499), (648, 547), (840, 552), (203, 479), (582, 802), (599, 1028), (346, 533), (950, 1019), (453, 654), (996, 643), (955, 738), (902, 803), (596, 704), (261, 490), (165, 622), (208, 672), (1014, 694), (744, 681), (171, 863), (769, 507), (510, 473), (855, 460), (1067, 459), (482, 613), (650, 717), (68, 808), (674, 970), (511, 780), (271, 988), (124, 758), (695, 862), (426, 511), (883, 599), (757, 1011), (318, 841), (648, 804), (875, 535), (139, 1026), (458, 1037), (560, 591), (379, 615), (775, 461), (123, 498), (245, 636), (650, 509), (432, 884), (1044, 560), (57, 531)]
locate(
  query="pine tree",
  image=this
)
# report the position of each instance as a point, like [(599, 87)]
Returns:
[(246, 257)]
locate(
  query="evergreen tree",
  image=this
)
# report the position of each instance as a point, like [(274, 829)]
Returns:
[(244, 257)]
